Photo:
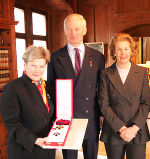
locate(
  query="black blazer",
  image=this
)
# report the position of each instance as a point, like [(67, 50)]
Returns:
[(26, 118), (85, 103), (124, 104)]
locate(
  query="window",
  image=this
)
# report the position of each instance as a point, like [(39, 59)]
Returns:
[(39, 24), (19, 16), (20, 47), (20, 42), (39, 43), (26, 36)]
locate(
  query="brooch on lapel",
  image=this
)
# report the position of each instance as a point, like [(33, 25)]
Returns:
[(91, 63)]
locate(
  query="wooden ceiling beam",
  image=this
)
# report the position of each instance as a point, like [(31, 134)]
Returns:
[(58, 5)]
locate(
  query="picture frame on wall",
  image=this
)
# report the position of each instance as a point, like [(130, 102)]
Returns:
[(97, 46)]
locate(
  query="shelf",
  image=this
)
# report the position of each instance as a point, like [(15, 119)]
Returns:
[(4, 68), (4, 82), (5, 47)]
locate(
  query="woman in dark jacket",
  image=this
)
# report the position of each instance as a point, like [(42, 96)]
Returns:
[(27, 109), (124, 102)]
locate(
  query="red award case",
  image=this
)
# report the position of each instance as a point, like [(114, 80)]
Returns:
[(64, 113)]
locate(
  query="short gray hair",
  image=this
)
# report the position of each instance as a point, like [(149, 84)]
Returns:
[(79, 16), (34, 52)]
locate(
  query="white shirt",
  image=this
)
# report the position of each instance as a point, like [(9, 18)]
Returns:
[(72, 53), (123, 73)]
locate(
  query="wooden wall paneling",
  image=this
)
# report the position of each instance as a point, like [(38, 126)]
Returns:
[(96, 15), (11, 9), (36, 4), (58, 5), (73, 4), (1, 8), (49, 32), (4, 8), (102, 22), (102, 25), (126, 19), (39, 4), (7, 8), (13, 58), (88, 12), (57, 36), (120, 23), (134, 6), (142, 30), (29, 28)]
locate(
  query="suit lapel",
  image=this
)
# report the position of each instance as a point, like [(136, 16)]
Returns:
[(34, 91), (86, 68), (131, 76), (86, 62), (114, 77), (66, 63)]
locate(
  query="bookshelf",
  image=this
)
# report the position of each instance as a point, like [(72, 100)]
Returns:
[(4, 62), (8, 62), (4, 67), (8, 70)]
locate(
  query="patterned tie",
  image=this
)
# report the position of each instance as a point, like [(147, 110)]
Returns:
[(77, 62)]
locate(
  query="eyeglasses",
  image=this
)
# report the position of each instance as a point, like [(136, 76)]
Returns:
[(36, 67)]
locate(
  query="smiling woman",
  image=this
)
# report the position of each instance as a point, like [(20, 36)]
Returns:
[(27, 109), (35, 60), (125, 103), (35, 69)]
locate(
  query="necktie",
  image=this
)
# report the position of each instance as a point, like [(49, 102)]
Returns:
[(77, 62)]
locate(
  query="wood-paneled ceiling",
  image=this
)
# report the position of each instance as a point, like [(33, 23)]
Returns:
[(58, 4), (68, 5)]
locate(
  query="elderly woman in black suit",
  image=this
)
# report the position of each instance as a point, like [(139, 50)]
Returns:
[(27, 109), (124, 102)]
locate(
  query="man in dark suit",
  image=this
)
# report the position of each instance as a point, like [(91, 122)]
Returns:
[(82, 64)]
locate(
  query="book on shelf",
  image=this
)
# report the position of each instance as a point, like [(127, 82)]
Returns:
[(4, 78), (4, 61)]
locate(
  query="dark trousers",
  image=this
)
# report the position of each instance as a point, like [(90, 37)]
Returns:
[(133, 151), (90, 149)]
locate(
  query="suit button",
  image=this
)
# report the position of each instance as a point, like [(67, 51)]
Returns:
[(45, 120), (86, 98), (89, 86), (86, 111)]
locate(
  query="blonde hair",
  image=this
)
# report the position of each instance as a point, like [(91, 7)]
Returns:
[(77, 15), (122, 37), (34, 52)]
